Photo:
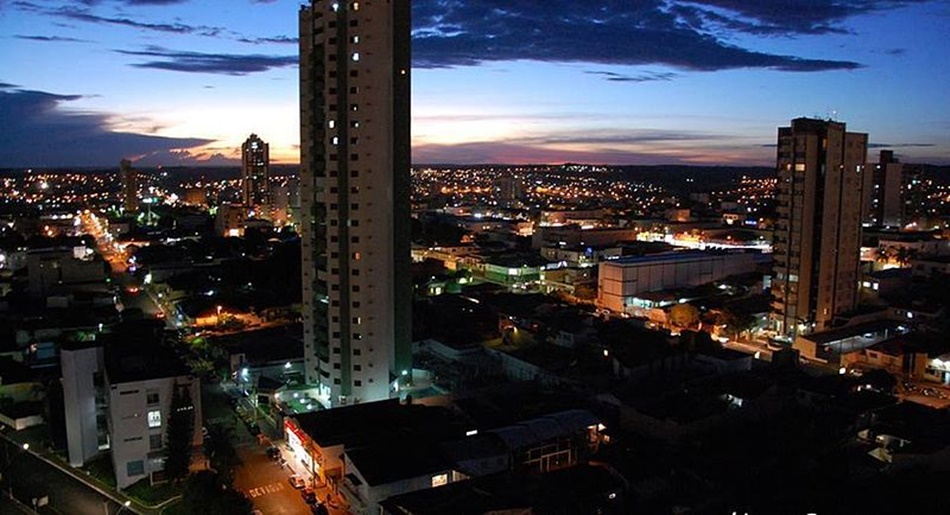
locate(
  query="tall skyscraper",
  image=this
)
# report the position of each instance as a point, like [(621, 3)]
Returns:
[(130, 186), (255, 175), (354, 195), (822, 194)]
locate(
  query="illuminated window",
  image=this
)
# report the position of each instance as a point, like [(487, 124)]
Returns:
[(439, 480), (155, 418)]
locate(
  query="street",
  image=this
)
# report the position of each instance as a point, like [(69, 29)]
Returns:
[(29, 477)]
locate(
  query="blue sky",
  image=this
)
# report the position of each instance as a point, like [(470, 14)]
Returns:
[(88, 82)]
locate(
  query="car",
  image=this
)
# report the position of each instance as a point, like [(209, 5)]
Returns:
[(296, 481), (309, 496)]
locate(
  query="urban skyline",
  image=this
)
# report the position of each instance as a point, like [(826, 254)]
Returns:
[(593, 83)]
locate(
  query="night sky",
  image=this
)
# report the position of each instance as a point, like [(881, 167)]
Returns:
[(182, 82)]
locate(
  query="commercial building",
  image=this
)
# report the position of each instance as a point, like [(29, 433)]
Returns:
[(255, 176), (355, 178), (823, 190), (620, 281)]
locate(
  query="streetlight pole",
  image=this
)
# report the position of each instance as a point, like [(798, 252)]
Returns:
[(105, 507)]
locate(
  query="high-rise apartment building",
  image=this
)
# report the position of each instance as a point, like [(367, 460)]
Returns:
[(821, 201), (886, 206), (255, 175), (130, 186), (354, 195)]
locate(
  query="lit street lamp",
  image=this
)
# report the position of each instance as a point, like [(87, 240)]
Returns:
[(105, 507)]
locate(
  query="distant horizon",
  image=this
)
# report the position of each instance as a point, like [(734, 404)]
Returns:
[(419, 165)]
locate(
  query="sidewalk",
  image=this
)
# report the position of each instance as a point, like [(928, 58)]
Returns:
[(334, 502)]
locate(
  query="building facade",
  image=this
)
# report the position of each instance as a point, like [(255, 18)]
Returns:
[(620, 281), (822, 197), (118, 394), (885, 206), (255, 176), (354, 186), (130, 186)]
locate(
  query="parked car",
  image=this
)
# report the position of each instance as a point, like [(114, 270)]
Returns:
[(296, 481), (309, 496)]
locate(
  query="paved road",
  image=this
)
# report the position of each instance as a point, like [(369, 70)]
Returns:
[(30, 477), (265, 483)]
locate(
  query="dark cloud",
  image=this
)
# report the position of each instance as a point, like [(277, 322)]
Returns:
[(80, 11), (280, 40), (900, 145), (5, 85), (83, 14), (640, 77), (38, 132), (615, 32), (638, 136), (197, 62), (134, 2), (517, 153), (184, 157), (52, 39), (785, 17)]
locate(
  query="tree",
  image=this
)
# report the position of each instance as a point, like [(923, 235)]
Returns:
[(179, 433), (684, 315), (220, 451), (205, 493)]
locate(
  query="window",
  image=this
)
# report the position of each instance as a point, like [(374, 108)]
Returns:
[(336, 350), (439, 480), (336, 366), (135, 468), (355, 39), (357, 352), (357, 383), (357, 368), (355, 56), (155, 442), (151, 398), (154, 418)]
